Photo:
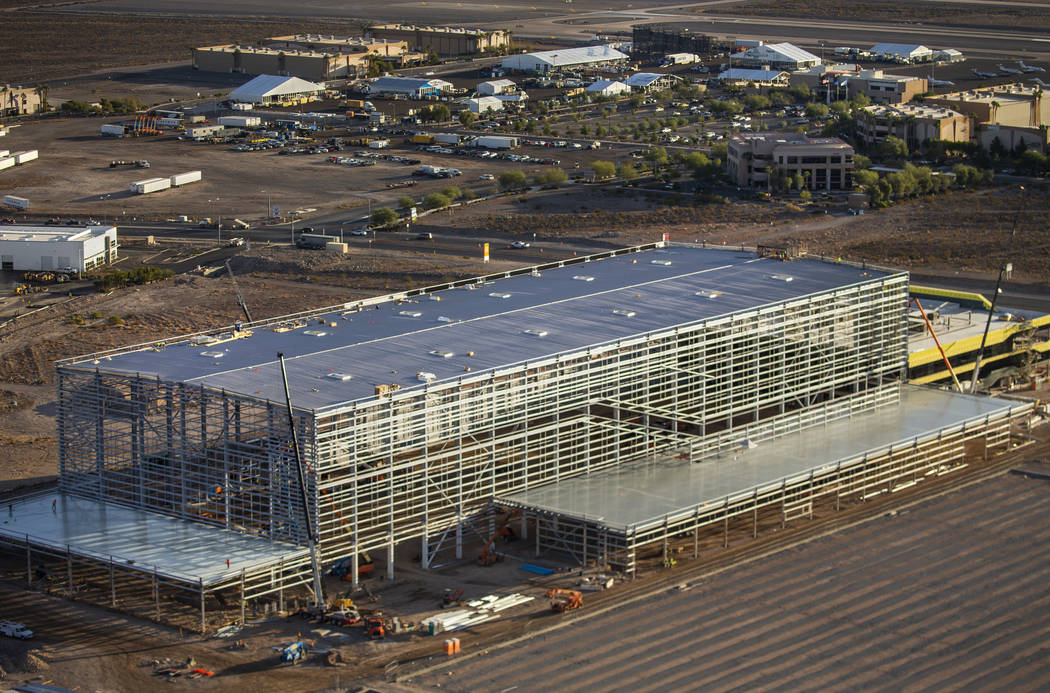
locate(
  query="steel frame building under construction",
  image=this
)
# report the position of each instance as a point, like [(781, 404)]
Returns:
[(416, 412)]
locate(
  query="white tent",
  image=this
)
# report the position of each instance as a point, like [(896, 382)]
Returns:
[(270, 88)]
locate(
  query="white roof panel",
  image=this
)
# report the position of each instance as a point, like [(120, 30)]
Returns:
[(273, 85)]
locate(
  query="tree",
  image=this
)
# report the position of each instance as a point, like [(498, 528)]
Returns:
[(436, 201), (552, 176), (864, 179), (893, 149), (436, 113), (604, 169), (805, 196), (627, 172), (405, 201), (466, 118), (383, 216), (816, 110), (513, 180), (452, 192)]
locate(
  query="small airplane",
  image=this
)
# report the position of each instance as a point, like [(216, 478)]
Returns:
[(1040, 82), (985, 74), (1030, 68), (940, 82), (1008, 70)]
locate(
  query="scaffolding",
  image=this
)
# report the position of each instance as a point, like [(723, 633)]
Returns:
[(757, 358)]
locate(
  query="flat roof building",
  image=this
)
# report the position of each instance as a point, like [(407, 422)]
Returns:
[(483, 104), (749, 77), (1015, 105), (547, 61), (847, 81), (16, 101), (758, 159), (915, 123), (276, 89), (443, 40), (496, 87), (47, 248)]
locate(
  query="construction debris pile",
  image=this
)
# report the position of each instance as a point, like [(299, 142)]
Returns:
[(480, 610)]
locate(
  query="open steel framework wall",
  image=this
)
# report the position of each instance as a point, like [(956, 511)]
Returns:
[(875, 472), (426, 463)]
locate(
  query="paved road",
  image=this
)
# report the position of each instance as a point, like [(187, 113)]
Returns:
[(948, 595)]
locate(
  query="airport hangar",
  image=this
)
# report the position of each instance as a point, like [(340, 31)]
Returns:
[(619, 401)]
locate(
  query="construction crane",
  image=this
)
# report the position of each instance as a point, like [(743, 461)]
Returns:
[(237, 290), (319, 603), (565, 600)]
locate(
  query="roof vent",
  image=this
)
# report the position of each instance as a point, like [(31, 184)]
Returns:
[(537, 333), (315, 333), (425, 377), (410, 313), (339, 376), (535, 273), (434, 297), (782, 277), (443, 354), (624, 313), (583, 278), (709, 294), (497, 294), (213, 354), (665, 263), (204, 340)]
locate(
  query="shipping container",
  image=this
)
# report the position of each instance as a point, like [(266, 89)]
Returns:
[(240, 121), (150, 185), (336, 247), (241, 106), (4, 152), (16, 202), (447, 138), (195, 119), (112, 129), (27, 155), (314, 241), (379, 144), (184, 178), (6, 162), (422, 138), (494, 142), (169, 122)]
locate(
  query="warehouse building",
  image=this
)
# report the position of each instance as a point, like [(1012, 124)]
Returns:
[(443, 40), (497, 87), (725, 382), (607, 88), (275, 89), (409, 86), (912, 122), (902, 52), (754, 159), (1011, 137), (547, 61), (32, 248), (483, 104), (781, 56)]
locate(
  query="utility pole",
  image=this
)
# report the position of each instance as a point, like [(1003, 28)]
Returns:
[(1005, 269)]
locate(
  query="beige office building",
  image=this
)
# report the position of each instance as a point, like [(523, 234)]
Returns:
[(912, 122), (845, 82), (16, 101), (825, 162), (1014, 105), (441, 39)]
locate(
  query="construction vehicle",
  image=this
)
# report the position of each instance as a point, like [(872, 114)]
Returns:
[(344, 617), (488, 555), (342, 568), (450, 598), (43, 277), (375, 627), (565, 600), (293, 653), (140, 163)]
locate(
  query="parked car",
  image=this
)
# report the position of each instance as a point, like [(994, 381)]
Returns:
[(15, 630)]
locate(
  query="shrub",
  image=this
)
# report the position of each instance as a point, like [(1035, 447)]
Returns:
[(383, 216), (95, 315), (512, 180), (115, 320), (121, 279), (436, 201)]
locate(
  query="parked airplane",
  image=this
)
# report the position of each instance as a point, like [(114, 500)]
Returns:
[(985, 74), (1040, 82), (1030, 68), (939, 82), (1008, 70)]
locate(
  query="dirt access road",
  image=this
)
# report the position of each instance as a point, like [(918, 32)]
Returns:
[(946, 595)]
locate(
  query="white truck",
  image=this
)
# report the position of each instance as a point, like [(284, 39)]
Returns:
[(16, 202), (495, 142), (15, 630)]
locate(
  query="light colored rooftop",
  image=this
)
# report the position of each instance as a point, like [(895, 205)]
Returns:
[(50, 233), (339, 356), (912, 109), (187, 551), (582, 54), (432, 29), (642, 493)]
